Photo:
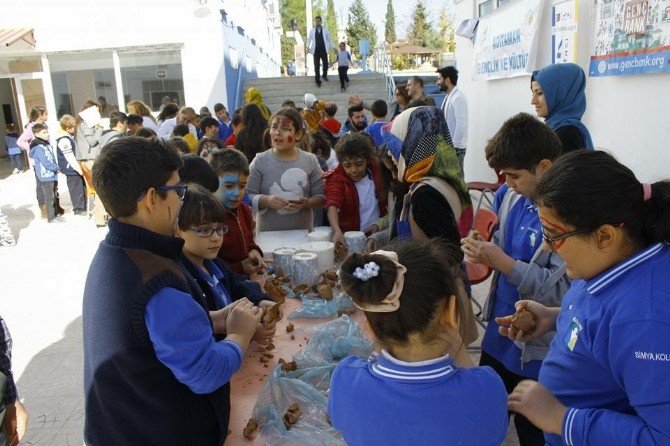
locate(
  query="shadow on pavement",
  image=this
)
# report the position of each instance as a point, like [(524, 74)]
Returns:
[(18, 218)]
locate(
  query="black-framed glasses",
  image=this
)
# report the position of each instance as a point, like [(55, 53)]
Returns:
[(208, 231), (179, 189), (557, 241)]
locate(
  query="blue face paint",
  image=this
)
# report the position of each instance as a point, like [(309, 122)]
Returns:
[(229, 190)]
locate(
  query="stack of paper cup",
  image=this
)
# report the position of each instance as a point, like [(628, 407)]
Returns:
[(326, 229), (284, 260), (325, 252), (305, 268), (355, 241), (318, 236)]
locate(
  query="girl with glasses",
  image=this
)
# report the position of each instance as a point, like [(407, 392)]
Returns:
[(605, 379), (202, 226)]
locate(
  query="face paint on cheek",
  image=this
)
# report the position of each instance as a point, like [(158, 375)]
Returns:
[(290, 139)]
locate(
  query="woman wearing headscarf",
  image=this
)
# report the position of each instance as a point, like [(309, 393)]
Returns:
[(254, 97), (438, 203), (558, 97)]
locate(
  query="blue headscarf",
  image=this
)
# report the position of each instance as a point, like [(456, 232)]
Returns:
[(563, 87)]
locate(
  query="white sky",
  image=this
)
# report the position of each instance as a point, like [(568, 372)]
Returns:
[(402, 8)]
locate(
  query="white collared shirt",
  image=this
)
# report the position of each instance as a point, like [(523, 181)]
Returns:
[(455, 111)]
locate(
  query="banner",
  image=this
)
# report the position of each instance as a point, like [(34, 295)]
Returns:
[(564, 32), (506, 41), (630, 37)]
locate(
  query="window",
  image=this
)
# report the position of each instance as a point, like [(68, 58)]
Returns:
[(485, 7), (149, 76), (19, 65), (234, 58), (78, 77)]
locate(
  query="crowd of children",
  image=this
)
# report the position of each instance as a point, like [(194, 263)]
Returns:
[(577, 236)]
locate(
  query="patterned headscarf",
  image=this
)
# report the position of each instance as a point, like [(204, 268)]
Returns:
[(419, 141), (254, 96)]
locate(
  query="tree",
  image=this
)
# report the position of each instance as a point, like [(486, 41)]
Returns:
[(293, 9), (447, 30), (360, 27), (389, 27), (331, 20), (421, 30)]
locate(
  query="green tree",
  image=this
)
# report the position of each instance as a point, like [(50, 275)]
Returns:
[(293, 9), (360, 27), (447, 30), (331, 20), (389, 26), (421, 30)]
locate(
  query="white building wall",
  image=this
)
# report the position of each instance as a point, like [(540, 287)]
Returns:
[(628, 116), (93, 24)]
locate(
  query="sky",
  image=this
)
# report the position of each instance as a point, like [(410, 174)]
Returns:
[(402, 8)]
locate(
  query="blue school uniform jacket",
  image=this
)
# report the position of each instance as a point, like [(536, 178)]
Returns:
[(385, 401), (610, 359)]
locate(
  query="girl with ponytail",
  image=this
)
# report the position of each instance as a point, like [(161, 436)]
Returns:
[(605, 379), (415, 391)]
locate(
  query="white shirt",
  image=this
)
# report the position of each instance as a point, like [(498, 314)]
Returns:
[(168, 126), (455, 109), (368, 207), (149, 123), (327, 41)]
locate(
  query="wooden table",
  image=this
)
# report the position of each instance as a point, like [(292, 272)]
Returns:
[(247, 382)]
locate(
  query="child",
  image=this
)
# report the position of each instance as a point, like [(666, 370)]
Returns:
[(46, 169), (197, 170), (236, 126), (239, 250), (343, 65), (605, 379), (202, 226), (523, 149), (209, 127), (379, 111), (355, 197), (285, 183), (420, 389), (183, 132), (329, 122), (69, 166), (13, 149)]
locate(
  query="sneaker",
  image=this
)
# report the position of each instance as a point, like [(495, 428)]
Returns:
[(57, 219), (15, 171)]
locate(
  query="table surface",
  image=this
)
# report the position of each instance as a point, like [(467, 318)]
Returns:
[(247, 382)]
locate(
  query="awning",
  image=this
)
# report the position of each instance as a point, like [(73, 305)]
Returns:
[(9, 36)]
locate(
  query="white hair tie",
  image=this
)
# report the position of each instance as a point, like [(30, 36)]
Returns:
[(368, 271)]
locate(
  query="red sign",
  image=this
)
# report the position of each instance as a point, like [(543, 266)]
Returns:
[(635, 17)]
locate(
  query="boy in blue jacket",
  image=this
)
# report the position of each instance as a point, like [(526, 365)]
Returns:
[(46, 169), (524, 149)]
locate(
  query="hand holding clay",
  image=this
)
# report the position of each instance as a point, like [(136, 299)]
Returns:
[(531, 320), (296, 205), (275, 202), (243, 320)]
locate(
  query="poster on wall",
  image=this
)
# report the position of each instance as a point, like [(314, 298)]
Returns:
[(630, 37), (564, 31), (506, 41)]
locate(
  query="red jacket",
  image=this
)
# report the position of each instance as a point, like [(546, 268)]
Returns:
[(240, 238), (230, 141), (332, 125), (341, 192)]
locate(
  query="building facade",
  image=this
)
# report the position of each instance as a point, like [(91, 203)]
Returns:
[(196, 52), (627, 115)]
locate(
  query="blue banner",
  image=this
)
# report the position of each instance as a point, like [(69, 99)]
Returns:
[(623, 64)]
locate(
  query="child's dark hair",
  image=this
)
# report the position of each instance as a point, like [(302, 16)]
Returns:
[(236, 118), (428, 281), (588, 189), (208, 122), (147, 133), (319, 144), (179, 145), (38, 128), (180, 130), (354, 145), (200, 207), (206, 143), (354, 108), (330, 109), (135, 119), (521, 143), (293, 115), (197, 170), (218, 107), (267, 140), (11, 128), (288, 103), (379, 108), (169, 111), (117, 117), (229, 160), (127, 168)]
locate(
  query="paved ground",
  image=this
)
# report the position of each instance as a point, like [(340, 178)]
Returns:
[(41, 291)]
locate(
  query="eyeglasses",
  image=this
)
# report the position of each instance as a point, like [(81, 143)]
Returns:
[(180, 190), (558, 241), (208, 231)]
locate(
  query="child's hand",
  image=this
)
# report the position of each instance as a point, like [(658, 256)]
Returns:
[(275, 202), (296, 205), (532, 400), (371, 230), (242, 322), (219, 316), (265, 304), (544, 318), (477, 250)]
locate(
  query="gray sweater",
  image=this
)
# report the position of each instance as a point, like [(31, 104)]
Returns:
[(291, 180), (543, 280)]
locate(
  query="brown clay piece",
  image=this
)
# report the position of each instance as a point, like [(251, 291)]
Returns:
[(342, 311), (271, 315), (302, 289), (325, 291), (274, 289), (292, 415), (292, 337), (250, 429), (341, 251), (290, 327), (523, 321), (287, 366)]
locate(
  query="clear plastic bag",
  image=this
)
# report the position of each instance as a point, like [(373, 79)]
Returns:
[(314, 307)]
